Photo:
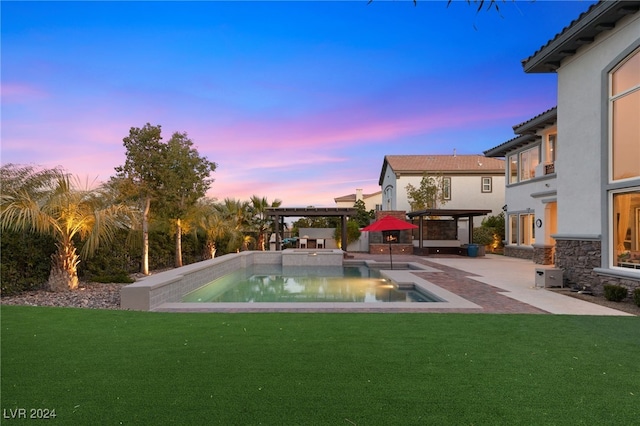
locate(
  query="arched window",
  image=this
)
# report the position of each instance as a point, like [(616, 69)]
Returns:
[(624, 103), (388, 198)]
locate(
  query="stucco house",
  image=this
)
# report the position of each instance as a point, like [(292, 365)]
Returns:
[(470, 182), (531, 193), (596, 188), (371, 201)]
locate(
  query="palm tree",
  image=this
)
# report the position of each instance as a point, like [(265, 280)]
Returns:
[(47, 202), (209, 220), (261, 222), (237, 213)]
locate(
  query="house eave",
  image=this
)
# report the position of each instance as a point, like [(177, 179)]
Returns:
[(385, 164), (600, 17), (544, 120), (510, 145), (479, 172)]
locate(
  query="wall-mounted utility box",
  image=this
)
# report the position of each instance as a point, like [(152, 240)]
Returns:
[(549, 277)]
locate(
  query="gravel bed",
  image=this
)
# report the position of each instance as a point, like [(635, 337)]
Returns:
[(626, 305), (88, 295)]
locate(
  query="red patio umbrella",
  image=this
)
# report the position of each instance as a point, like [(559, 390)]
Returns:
[(389, 223)]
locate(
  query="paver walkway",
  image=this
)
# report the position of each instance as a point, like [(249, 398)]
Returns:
[(464, 285)]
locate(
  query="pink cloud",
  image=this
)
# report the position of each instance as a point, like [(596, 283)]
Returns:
[(21, 93), (331, 130), (292, 158)]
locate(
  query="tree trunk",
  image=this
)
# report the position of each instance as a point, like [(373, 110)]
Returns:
[(210, 250), (145, 236), (64, 272), (261, 240), (178, 243)]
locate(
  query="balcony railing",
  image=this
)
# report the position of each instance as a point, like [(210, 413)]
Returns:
[(549, 168)]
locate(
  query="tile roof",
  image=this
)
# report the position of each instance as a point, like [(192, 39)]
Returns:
[(510, 145), (525, 132), (541, 120), (446, 164), (600, 17)]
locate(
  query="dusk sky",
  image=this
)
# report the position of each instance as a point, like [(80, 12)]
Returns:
[(295, 100)]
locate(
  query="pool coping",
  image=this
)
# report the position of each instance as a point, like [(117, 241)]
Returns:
[(401, 277)]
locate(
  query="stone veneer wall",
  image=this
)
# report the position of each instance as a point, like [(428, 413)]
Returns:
[(395, 248), (437, 230), (629, 283), (578, 258), (519, 252), (543, 255), (405, 243)]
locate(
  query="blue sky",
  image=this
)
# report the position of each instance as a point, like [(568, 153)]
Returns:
[(296, 100)]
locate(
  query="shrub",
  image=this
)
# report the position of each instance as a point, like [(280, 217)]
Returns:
[(614, 293), (483, 235), (636, 296), (497, 223), (110, 261), (26, 261), (120, 278), (353, 232)]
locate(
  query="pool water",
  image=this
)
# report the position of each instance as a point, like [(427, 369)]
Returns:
[(297, 284)]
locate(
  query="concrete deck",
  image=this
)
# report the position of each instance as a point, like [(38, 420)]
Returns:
[(508, 277)]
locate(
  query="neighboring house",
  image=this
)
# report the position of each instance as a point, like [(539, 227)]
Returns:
[(371, 201), (597, 60), (531, 193), (470, 182)]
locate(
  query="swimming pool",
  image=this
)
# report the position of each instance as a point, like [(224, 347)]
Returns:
[(164, 291), (278, 284)]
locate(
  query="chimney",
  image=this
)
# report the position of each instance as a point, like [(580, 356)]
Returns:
[(454, 152), (358, 194)]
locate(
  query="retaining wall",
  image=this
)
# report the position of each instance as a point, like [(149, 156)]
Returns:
[(169, 286)]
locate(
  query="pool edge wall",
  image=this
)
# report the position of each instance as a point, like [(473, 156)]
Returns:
[(169, 286), (312, 257)]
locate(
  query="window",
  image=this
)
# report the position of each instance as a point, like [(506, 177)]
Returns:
[(513, 169), (529, 159), (446, 188), (513, 229), (624, 166), (486, 184), (626, 223), (388, 195), (552, 144), (527, 229), (522, 229), (624, 105), (522, 166)]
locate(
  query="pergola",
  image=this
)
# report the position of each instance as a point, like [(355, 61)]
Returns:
[(281, 212), (454, 213)]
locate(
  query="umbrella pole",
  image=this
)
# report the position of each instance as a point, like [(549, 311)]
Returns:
[(390, 255)]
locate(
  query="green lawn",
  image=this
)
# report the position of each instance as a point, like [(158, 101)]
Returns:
[(118, 367)]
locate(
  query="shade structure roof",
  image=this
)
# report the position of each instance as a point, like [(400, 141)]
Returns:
[(455, 213), (281, 212)]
